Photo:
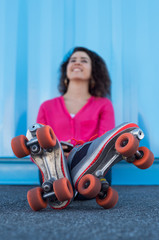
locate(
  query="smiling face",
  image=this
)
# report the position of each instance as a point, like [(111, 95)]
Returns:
[(79, 66)]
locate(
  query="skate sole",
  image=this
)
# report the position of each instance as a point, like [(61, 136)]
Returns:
[(104, 156), (51, 168)]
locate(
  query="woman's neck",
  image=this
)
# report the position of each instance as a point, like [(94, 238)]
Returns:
[(77, 90)]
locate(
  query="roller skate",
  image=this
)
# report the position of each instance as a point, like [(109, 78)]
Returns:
[(90, 161), (41, 143)]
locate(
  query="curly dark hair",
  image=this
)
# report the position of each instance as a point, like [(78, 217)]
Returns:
[(100, 74)]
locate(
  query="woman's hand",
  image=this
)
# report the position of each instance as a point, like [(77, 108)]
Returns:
[(66, 148)]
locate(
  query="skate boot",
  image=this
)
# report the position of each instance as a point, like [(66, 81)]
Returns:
[(90, 161), (46, 152)]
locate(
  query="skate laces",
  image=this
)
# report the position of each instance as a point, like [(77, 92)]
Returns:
[(81, 142)]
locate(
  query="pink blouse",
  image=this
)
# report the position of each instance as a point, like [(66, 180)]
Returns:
[(95, 117)]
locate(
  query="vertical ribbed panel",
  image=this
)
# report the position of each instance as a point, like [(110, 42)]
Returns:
[(35, 36)]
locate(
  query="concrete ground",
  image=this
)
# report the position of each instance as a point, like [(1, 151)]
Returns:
[(136, 216)]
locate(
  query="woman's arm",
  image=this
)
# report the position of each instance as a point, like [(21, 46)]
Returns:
[(41, 118), (106, 118)]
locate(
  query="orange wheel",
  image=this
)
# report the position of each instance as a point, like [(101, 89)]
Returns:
[(127, 144), (35, 200), (147, 159), (19, 147), (46, 137), (63, 189), (89, 186), (110, 200)]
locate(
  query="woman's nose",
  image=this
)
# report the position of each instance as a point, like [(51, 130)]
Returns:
[(77, 63)]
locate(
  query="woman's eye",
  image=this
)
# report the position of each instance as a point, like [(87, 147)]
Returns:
[(72, 60), (82, 61)]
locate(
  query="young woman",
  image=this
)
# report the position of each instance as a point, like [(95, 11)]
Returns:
[(83, 110)]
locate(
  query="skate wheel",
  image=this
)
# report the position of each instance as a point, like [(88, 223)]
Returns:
[(89, 186), (126, 144), (35, 200), (147, 159), (110, 200), (19, 147), (63, 189), (46, 137)]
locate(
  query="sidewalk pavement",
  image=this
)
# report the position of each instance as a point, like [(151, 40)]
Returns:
[(136, 216)]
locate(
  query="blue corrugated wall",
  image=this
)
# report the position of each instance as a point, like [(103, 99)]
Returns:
[(34, 37)]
